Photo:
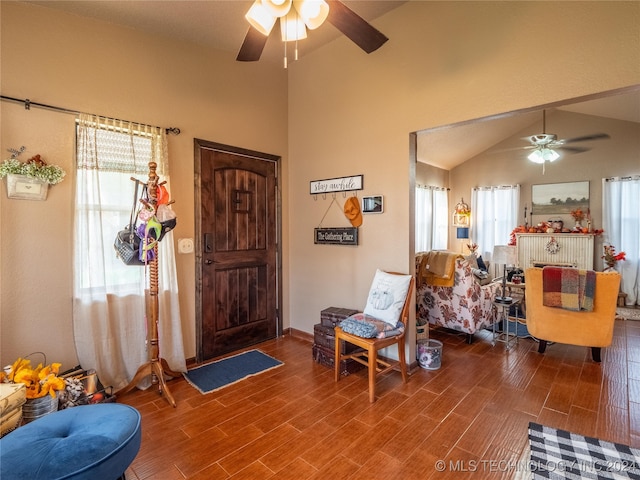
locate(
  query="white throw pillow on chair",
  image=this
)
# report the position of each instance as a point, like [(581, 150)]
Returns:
[(387, 295)]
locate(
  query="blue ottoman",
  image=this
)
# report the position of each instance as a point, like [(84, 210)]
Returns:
[(86, 442)]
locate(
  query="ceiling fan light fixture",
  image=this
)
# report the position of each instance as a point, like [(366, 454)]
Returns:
[(277, 8), (260, 18), (312, 12), (292, 27), (541, 155)]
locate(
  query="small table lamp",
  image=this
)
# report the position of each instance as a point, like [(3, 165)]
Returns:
[(462, 233), (506, 255)]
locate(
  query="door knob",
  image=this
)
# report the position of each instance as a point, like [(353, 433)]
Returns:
[(208, 261)]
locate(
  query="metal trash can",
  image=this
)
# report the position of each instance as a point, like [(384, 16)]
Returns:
[(430, 354)]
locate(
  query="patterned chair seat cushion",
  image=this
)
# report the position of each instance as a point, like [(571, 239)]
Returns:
[(366, 326)]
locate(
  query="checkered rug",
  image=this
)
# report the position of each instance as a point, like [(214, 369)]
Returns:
[(557, 454)]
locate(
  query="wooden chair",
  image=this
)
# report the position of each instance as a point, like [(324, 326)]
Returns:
[(369, 355)]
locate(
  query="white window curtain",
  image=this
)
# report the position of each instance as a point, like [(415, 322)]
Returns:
[(621, 224), (109, 317), (431, 218), (494, 215)]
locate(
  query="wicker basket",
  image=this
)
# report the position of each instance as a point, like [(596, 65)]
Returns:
[(422, 332)]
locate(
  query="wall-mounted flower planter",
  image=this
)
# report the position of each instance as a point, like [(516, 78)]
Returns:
[(26, 188)]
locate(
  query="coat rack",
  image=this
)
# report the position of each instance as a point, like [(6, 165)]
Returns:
[(156, 366)]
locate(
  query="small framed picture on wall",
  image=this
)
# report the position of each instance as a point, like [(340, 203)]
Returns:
[(372, 204)]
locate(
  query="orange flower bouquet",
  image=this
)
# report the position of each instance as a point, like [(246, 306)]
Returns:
[(38, 381), (577, 214)]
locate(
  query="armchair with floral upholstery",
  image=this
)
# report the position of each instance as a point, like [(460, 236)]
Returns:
[(466, 306)]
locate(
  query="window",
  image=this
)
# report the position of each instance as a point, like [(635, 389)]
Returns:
[(109, 304), (106, 161), (494, 216), (431, 218), (621, 223)]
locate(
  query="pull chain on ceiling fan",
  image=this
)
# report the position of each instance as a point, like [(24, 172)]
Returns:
[(298, 15)]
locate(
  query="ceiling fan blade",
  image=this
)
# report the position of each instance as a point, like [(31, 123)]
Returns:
[(595, 136), (573, 149), (355, 27), (252, 46)]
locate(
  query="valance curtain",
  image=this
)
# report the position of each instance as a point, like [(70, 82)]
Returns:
[(621, 224), (494, 216), (431, 218), (109, 317)]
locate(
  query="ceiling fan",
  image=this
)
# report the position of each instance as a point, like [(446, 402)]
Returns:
[(298, 15), (544, 145)]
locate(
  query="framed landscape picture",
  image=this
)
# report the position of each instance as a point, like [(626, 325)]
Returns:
[(559, 198)]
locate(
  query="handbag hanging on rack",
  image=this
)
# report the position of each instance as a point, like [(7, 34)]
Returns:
[(127, 242)]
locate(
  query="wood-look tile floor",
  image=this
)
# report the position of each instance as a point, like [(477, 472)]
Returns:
[(295, 422)]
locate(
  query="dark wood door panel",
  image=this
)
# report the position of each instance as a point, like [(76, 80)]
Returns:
[(238, 228), (240, 211), (241, 296), (227, 341)]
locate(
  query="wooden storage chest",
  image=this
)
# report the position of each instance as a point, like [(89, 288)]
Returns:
[(325, 337), (332, 316), (324, 340), (325, 356)]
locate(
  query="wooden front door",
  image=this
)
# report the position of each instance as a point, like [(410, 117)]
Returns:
[(236, 249)]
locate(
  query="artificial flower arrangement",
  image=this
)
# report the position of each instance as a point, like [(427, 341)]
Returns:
[(610, 256), (35, 167), (578, 215), (38, 381), (545, 227)]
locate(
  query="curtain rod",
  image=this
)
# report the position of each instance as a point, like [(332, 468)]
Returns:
[(495, 187), (622, 179), (28, 104), (431, 187)]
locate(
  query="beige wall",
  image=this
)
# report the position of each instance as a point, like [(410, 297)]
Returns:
[(78, 63), (346, 113), (445, 62), (430, 175)]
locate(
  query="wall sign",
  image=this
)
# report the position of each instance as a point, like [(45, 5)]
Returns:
[(336, 236), (340, 184)]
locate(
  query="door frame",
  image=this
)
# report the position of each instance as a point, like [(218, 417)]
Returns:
[(199, 145)]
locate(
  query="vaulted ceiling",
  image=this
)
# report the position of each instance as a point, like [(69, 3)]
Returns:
[(220, 24), (448, 146)]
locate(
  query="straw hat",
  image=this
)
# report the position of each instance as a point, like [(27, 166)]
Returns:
[(352, 211)]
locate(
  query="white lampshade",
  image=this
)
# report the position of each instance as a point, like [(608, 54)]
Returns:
[(504, 255), (292, 27), (260, 18), (312, 12), (277, 8), (541, 155)]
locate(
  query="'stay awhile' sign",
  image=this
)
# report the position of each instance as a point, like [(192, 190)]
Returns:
[(341, 184)]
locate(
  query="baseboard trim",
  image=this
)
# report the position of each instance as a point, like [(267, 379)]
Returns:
[(299, 334)]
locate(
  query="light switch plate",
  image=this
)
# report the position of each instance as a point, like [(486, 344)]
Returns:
[(185, 245)]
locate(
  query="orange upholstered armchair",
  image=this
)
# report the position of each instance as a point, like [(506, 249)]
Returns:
[(589, 329)]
